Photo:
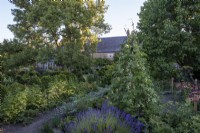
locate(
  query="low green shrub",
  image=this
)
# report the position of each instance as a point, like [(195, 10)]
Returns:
[(46, 129), (29, 77), (3, 92), (85, 87), (105, 75), (175, 117), (58, 91), (35, 98), (45, 80), (15, 87), (99, 62), (64, 75), (14, 104), (157, 125)]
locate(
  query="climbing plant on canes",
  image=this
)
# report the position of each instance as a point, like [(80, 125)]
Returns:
[(132, 88)]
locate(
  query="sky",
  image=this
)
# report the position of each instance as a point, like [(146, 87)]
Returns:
[(120, 15)]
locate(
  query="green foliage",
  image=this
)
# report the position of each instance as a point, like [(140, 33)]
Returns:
[(86, 87), (65, 31), (29, 77), (156, 125), (21, 102), (46, 129), (70, 21), (92, 99), (174, 117), (180, 117), (15, 87), (13, 105), (15, 55), (2, 92), (45, 80), (35, 98), (169, 34), (184, 94), (76, 62), (100, 62), (55, 123), (102, 72), (59, 90), (105, 74), (132, 88)]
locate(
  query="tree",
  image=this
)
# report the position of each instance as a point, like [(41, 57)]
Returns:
[(59, 22), (169, 31), (64, 30), (14, 55), (59, 27), (132, 88)]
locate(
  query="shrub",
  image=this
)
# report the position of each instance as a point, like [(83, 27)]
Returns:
[(35, 98), (86, 87), (45, 80), (58, 91), (108, 119), (105, 74), (15, 87), (99, 62), (176, 117), (64, 75), (46, 129), (2, 92), (28, 77), (13, 105)]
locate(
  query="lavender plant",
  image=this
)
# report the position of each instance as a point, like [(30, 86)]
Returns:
[(108, 119)]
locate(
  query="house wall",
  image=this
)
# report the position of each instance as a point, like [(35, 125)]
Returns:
[(109, 56)]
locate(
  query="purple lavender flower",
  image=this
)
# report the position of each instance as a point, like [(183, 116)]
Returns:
[(108, 119)]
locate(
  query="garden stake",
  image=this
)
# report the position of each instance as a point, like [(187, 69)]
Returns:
[(172, 81), (196, 84), (195, 102)]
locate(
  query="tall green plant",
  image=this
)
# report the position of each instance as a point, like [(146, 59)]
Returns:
[(132, 88), (169, 30)]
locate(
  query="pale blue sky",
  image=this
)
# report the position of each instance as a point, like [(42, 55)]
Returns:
[(120, 15)]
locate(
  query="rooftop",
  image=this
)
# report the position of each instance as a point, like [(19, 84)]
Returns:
[(110, 44)]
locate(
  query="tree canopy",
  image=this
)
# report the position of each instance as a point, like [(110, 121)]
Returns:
[(170, 34), (58, 22), (64, 30)]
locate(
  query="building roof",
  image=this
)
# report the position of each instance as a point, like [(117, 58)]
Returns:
[(110, 44)]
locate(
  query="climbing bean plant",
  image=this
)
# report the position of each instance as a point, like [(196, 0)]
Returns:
[(132, 87)]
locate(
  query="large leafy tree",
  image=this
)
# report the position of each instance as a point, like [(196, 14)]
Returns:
[(60, 29), (58, 22), (170, 34)]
